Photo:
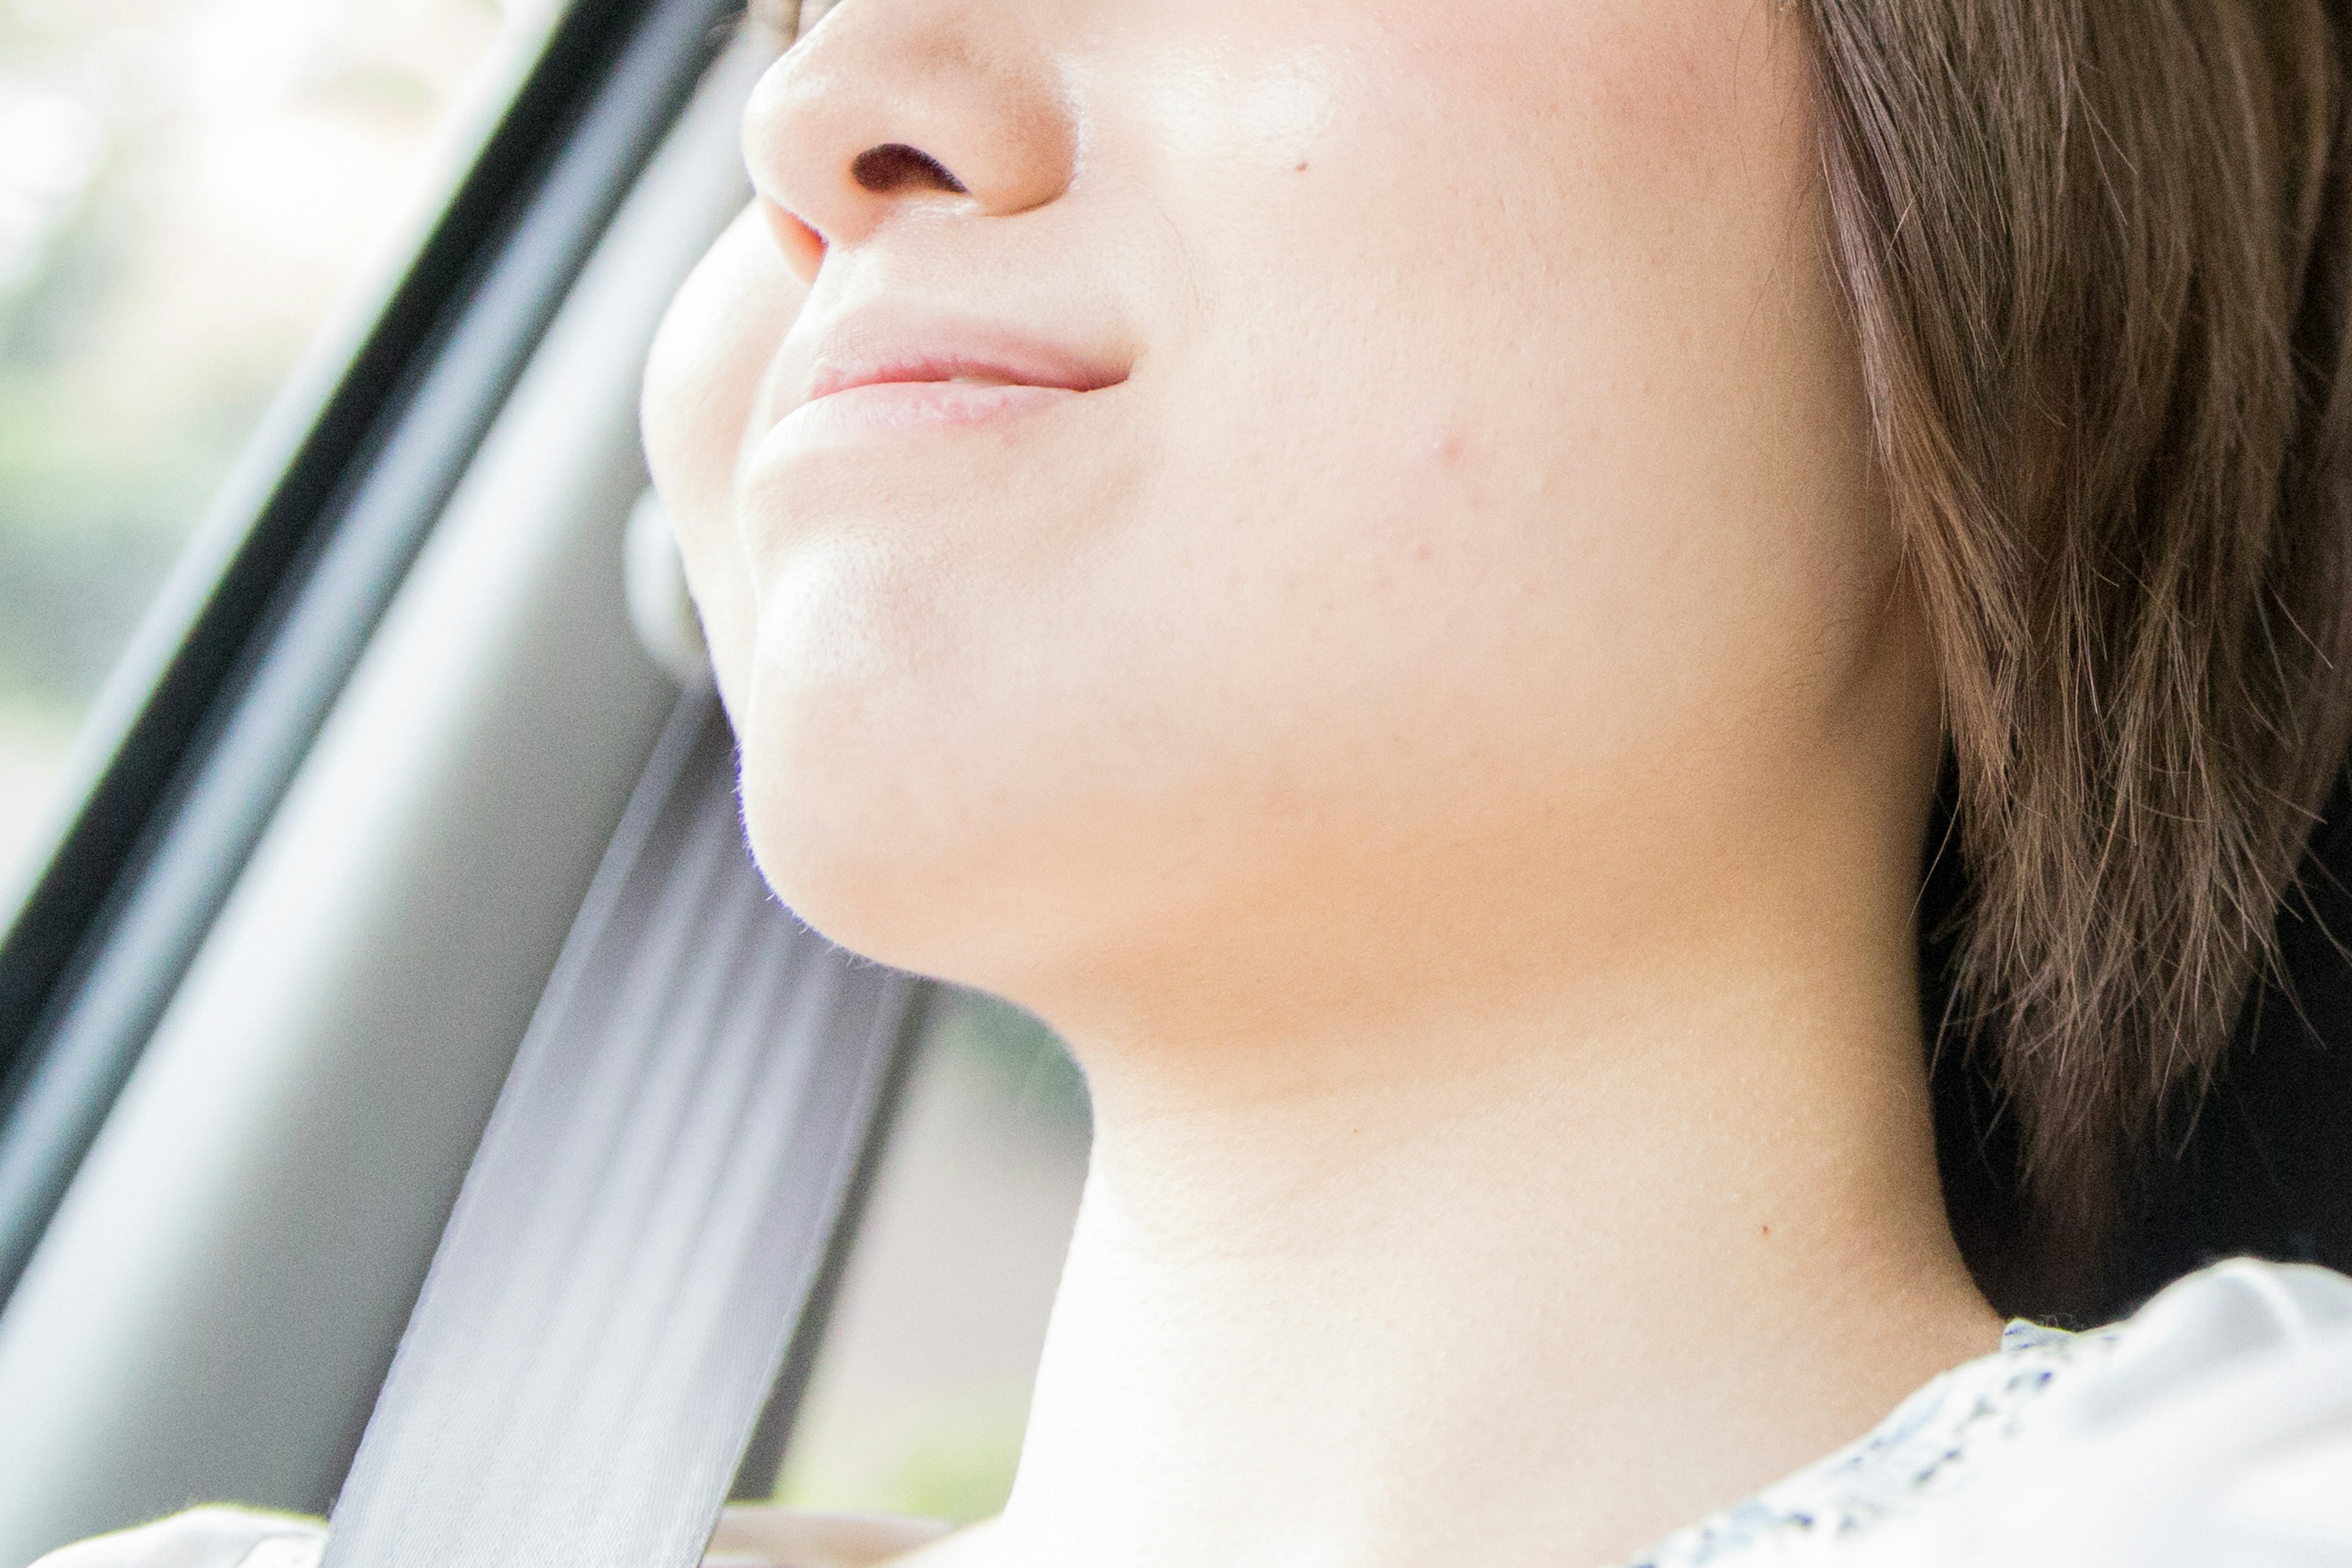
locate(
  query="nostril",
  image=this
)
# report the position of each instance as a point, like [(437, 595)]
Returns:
[(802, 247), (894, 166)]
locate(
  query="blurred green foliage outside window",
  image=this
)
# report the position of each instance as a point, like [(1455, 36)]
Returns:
[(189, 190)]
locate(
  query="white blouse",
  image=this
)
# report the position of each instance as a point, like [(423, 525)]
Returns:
[(2213, 1429)]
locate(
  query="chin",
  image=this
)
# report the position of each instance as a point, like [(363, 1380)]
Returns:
[(834, 852), (885, 847)]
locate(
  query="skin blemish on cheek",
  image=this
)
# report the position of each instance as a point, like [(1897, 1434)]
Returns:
[(1445, 486), (1448, 471), (1445, 452)]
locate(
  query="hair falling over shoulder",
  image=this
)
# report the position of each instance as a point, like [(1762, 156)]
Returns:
[(2095, 253)]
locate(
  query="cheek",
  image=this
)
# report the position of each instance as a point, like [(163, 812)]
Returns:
[(700, 384), (1540, 325), (1522, 461)]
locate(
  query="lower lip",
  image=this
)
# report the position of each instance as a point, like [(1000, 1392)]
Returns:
[(863, 414)]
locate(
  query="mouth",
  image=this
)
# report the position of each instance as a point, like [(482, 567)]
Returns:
[(870, 378)]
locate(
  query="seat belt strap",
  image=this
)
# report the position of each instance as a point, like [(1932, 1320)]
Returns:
[(656, 1203)]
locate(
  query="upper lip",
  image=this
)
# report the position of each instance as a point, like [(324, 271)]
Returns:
[(871, 348)]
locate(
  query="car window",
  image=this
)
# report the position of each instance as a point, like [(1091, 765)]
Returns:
[(190, 191), (922, 1387)]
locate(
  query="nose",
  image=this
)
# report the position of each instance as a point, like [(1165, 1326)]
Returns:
[(892, 107)]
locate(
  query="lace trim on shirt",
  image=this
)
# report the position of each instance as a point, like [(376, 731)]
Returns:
[(1920, 1452)]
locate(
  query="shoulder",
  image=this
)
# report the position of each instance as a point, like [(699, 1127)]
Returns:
[(202, 1538), (788, 1538), (746, 1538), (2212, 1430), (2212, 1426)]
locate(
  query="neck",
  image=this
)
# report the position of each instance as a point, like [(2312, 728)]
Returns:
[(1540, 1287)]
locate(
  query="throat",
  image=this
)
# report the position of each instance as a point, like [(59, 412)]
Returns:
[(1545, 1309)]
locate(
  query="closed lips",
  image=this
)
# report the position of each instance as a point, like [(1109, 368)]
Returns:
[(960, 369), (871, 379)]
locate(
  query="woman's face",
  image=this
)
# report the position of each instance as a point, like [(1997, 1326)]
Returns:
[(1431, 519)]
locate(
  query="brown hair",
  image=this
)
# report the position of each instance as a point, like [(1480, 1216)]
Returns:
[(2096, 255)]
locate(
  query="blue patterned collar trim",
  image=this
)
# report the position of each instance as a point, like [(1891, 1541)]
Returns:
[(2021, 1335)]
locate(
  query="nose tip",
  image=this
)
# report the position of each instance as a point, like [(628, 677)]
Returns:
[(882, 110)]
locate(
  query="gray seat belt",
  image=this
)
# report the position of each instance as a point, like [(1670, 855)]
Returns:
[(619, 1317)]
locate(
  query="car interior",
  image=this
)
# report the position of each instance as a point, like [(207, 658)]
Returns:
[(403, 844)]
